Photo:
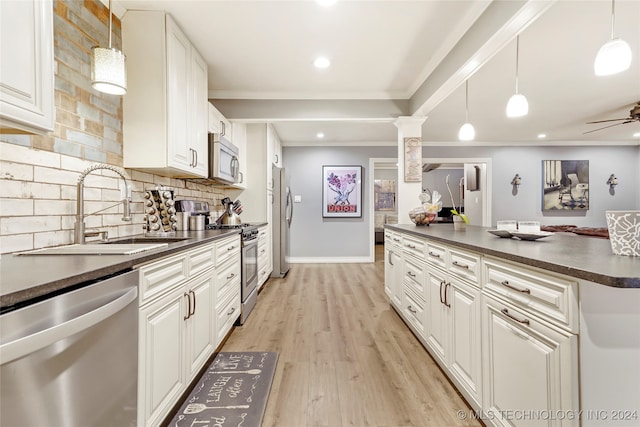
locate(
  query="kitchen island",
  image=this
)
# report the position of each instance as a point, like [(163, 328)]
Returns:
[(542, 332)]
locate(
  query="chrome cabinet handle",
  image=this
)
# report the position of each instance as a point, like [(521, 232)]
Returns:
[(390, 258), (442, 282), (277, 158), (410, 273), (188, 306), (194, 302), (396, 240), (433, 254), (223, 129), (231, 276), (506, 284), (457, 264), (510, 316), (411, 246), (230, 312), (230, 248), (411, 309), (445, 294), (195, 161)]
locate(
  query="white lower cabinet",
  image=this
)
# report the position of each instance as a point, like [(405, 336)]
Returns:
[(264, 255), (161, 377), (530, 368), (393, 268), (180, 322), (453, 331)]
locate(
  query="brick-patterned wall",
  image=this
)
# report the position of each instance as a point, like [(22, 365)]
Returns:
[(38, 173)]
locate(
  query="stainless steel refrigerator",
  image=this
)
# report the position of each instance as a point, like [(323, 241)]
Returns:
[(282, 216)]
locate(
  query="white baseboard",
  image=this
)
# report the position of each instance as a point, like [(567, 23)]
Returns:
[(332, 260)]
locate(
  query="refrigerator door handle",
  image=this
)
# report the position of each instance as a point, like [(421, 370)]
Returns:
[(289, 208)]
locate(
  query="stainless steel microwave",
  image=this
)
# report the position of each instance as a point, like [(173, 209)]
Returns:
[(224, 164)]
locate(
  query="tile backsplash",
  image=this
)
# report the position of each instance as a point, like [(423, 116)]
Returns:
[(38, 197)]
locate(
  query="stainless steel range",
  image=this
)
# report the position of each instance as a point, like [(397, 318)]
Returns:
[(249, 260)]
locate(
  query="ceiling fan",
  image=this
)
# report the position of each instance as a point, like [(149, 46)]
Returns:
[(634, 116)]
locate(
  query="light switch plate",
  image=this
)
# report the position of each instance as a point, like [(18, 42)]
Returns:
[(297, 199)]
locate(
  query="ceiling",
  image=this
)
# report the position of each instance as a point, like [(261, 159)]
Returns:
[(395, 58)]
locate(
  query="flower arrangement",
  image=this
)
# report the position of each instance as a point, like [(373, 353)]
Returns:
[(454, 211)]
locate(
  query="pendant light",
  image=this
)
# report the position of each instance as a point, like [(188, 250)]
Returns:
[(517, 105), (467, 132), (615, 55), (108, 72)]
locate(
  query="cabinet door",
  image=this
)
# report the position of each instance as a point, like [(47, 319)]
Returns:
[(200, 322), (26, 65), (393, 269), (437, 327), (179, 149), (528, 367), (161, 374), (465, 348), (199, 115)]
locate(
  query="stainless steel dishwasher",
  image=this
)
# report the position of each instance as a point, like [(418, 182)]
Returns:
[(71, 360)]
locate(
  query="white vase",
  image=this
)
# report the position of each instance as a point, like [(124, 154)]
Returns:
[(458, 223), (624, 232)]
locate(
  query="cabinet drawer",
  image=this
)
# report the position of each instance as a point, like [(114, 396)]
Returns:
[(414, 273), (465, 265), (414, 308), (227, 274), (201, 259), (392, 238), (436, 254), (227, 248), (414, 246), (227, 313), (551, 297), (158, 277)]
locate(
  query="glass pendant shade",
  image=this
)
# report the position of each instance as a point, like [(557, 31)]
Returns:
[(467, 132), (108, 72), (613, 57), (517, 106)]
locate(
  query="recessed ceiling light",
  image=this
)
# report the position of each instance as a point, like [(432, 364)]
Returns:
[(320, 135), (321, 62), (542, 135), (636, 135), (326, 2)]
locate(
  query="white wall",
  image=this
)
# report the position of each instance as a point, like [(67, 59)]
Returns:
[(318, 239), (623, 161), (314, 238)]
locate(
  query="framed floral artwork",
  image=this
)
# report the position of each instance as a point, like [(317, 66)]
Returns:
[(341, 191)]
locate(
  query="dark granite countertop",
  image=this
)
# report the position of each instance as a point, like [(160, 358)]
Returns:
[(25, 277), (582, 257)]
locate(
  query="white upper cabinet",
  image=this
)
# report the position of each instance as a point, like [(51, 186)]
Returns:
[(26, 66), (218, 124), (166, 108)]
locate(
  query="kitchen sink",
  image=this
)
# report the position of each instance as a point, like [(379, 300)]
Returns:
[(141, 240), (99, 249)]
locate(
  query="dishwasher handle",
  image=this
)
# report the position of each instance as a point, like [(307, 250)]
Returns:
[(23, 346)]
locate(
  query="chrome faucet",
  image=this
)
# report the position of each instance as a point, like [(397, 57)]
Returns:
[(79, 227)]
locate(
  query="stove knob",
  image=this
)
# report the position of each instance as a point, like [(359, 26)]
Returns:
[(155, 227), (148, 203), (169, 202), (171, 211), (153, 218), (151, 211), (174, 226), (173, 218), (166, 194), (147, 195)]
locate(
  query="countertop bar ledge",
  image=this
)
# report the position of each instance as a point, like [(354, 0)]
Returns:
[(582, 257)]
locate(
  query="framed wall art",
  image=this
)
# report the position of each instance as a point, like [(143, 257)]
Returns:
[(384, 194), (341, 191), (565, 185), (413, 159)]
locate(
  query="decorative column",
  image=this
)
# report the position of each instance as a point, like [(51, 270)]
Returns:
[(409, 165)]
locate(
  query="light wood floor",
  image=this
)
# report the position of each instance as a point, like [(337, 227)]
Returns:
[(345, 356)]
